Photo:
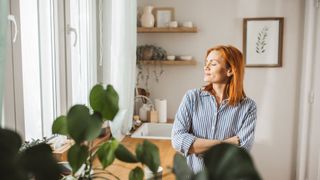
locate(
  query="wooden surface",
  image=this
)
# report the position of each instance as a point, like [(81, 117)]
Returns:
[(168, 62), (122, 169), (61, 154), (167, 30)]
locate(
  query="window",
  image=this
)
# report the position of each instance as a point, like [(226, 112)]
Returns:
[(39, 66), (56, 65)]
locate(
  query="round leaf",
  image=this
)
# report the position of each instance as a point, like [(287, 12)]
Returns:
[(139, 152), (104, 101), (81, 125), (148, 154), (202, 175), (226, 161), (60, 126), (106, 152), (136, 174), (39, 161), (94, 126), (77, 155), (123, 154), (10, 142), (181, 168)]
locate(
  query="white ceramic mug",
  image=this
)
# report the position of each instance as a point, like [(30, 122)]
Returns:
[(188, 24), (173, 24), (171, 57)]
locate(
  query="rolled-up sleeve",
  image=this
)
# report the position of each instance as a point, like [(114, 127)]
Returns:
[(181, 138), (247, 129)]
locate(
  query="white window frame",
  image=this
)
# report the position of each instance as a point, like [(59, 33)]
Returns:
[(14, 114), (87, 58)]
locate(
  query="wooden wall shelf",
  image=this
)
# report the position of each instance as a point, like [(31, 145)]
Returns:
[(167, 30), (167, 62)]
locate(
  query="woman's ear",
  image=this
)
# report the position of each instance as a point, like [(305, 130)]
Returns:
[(229, 72)]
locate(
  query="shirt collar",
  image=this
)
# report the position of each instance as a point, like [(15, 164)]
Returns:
[(206, 93)]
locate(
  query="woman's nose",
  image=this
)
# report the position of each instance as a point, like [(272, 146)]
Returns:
[(206, 66)]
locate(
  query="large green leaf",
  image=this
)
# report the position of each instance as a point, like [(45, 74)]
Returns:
[(77, 155), (106, 152), (136, 174), (81, 125), (123, 154), (226, 161), (139, 152), (39, 161), (10, 143), (104, 101), (148, 154), (202, 175), (181, 168), (60, 126)]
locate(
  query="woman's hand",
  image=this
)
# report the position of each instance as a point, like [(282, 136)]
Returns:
[(233, 140)]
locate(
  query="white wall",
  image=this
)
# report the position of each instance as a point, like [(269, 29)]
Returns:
[(275, 90)]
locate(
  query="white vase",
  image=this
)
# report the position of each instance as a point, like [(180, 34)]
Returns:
[(143, 112), (147, 18)]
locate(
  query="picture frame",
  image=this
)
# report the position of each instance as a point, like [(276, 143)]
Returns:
[(263, 41), (163, 15)]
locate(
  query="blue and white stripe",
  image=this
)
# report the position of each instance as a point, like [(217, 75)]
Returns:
[(199, 117)]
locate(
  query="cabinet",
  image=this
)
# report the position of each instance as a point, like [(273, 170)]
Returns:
[(168, 30)]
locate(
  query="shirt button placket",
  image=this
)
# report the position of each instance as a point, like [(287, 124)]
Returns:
[(215, 118)]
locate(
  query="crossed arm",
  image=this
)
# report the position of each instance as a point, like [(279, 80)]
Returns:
[(201, 145)]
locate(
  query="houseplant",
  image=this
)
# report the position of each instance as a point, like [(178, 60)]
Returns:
[(34, 162), (83, 124), (149, 53)]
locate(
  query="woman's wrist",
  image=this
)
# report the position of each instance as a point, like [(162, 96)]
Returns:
[(235, 140)]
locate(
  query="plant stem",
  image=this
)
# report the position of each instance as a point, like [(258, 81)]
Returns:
[(90, 157)]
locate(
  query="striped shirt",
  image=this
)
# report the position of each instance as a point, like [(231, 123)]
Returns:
[(199, 117)]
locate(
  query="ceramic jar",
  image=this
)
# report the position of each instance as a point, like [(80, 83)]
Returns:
[(147, 18), (143, 112)]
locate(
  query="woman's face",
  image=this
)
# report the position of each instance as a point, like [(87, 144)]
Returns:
[(215, 70)]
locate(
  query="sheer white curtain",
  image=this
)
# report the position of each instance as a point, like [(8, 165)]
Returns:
[(119, 58), (4, 6)]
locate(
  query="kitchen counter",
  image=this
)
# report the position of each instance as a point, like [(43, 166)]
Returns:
[(122, 169)]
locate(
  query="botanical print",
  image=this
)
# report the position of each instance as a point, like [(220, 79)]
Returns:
[(262, 40)]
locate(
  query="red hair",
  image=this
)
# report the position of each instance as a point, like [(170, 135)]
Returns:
[(234, 60)]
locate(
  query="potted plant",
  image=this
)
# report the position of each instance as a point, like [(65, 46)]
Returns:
[(152, 53), (83, 124)]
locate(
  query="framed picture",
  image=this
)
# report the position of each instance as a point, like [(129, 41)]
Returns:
[(163, 16), (262, 41)]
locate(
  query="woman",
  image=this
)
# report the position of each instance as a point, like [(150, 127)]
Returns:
[(219, 112)]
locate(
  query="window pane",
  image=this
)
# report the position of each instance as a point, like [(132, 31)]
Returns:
[(82, 48), (38, 66), (31, 68)]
